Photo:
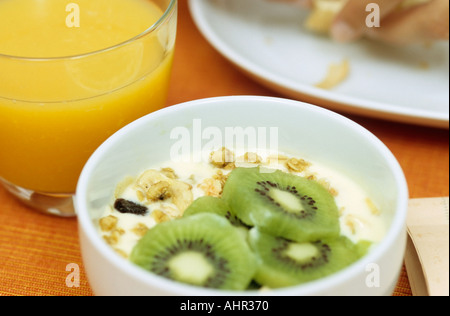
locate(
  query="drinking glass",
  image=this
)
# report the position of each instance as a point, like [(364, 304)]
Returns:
[(55, 111)]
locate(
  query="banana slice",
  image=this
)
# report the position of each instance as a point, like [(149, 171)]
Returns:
[(182, 195), (157, 186), (323, 14), (150, 178)]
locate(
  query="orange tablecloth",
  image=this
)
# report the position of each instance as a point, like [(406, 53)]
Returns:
[(35, 249)]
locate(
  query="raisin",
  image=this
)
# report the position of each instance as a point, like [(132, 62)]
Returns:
[(129, 207)]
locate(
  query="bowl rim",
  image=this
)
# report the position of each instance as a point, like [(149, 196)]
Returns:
[(396, 230)]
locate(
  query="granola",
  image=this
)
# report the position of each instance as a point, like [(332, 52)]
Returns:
[(160, 195)]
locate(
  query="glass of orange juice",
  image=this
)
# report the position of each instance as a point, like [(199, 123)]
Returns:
[(73, 72)]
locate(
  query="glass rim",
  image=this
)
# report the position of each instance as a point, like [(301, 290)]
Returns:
[(152, 28)]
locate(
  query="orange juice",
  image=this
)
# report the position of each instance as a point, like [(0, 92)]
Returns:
[(68, 87)]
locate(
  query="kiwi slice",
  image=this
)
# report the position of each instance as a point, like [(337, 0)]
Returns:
[(285, 263), (203, 250), (208, 204), (282, 204), (215, 205)]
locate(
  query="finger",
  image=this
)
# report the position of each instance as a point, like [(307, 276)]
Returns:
[(350, 23), (422, 23), (302, 3)]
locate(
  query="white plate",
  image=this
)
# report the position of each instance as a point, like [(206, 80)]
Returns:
[(268, 42)]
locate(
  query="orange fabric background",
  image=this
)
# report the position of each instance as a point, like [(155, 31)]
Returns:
[(35, 248)]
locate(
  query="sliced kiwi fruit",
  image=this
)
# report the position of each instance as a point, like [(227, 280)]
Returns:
[(283, 263), (215, 205), (208, 204), (203, 250), (282, 204)]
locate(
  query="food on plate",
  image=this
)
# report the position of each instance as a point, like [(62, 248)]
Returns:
[(322, 15), (337, 74), (324, 12)]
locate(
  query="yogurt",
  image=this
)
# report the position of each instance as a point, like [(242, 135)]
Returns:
[(166, 190)]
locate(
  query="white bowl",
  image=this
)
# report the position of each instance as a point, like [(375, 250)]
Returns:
[(324, 136)]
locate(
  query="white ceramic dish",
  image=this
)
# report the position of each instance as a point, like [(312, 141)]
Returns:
[(267, 41), (303, 129)]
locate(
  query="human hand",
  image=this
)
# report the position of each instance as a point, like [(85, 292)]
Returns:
[(400, 23), (420, 23)]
